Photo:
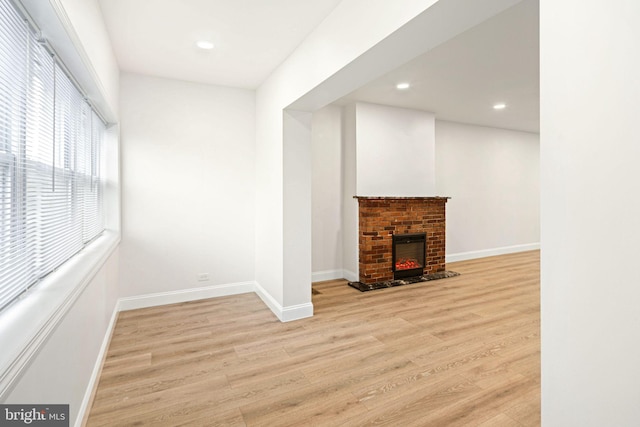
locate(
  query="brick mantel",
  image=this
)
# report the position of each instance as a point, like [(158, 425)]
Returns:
[(382, 217)]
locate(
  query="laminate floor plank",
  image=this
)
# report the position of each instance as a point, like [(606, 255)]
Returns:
[(413, 400), (501, 420), (462, 351)]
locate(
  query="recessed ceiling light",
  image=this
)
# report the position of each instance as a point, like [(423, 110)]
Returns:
[(403, 86), (204, 44), (500, 106)]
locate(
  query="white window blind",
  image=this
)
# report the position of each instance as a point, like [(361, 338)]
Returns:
[(50, 155)]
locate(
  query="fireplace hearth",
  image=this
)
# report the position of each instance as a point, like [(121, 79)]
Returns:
[(401, 240)]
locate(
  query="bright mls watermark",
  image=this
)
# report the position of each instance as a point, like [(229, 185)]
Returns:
[(34, 415)]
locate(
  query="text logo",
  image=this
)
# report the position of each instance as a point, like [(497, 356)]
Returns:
[(34, 415)]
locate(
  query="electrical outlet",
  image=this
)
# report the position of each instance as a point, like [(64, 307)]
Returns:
[(203, 277)]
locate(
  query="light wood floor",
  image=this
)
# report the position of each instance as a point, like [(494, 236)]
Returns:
[(457, 351)]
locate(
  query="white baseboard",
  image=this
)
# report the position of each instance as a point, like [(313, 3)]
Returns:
[(285, 314), (173, 297), (97, 368), (492, 252), (321, 276), (296, 312), (350, 276)]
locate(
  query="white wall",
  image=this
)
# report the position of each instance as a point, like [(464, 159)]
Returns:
[(590, 284), (69, 344), (62, 369), (342, 53), (395, 151), (375, 143), (492, 176), (188, 157), (350, 250), (296, 213), (326, 194), (342, 37)]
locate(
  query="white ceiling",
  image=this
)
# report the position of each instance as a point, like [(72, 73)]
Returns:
[(252, 37), (460, 80)]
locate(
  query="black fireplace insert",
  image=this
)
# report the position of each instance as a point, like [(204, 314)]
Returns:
[(409, 255)]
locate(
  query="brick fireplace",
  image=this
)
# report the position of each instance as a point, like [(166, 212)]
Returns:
[(381, 218)]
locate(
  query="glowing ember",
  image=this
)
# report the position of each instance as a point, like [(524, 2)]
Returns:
[(407, 264)]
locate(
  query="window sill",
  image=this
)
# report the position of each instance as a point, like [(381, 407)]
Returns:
[(27, 323)]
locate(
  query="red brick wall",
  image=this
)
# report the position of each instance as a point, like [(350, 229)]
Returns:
[(382, 217)]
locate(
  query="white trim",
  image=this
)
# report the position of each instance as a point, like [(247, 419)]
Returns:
[(321, 276), (285, 314), (27, 324), (164, 298), (97, 368), (492, 252), (297, 312), (350, 276), (270, 302)]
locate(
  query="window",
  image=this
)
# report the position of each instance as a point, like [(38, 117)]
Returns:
[(50, 160)]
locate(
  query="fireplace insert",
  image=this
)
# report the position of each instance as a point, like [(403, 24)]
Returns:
[(408, 255)]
